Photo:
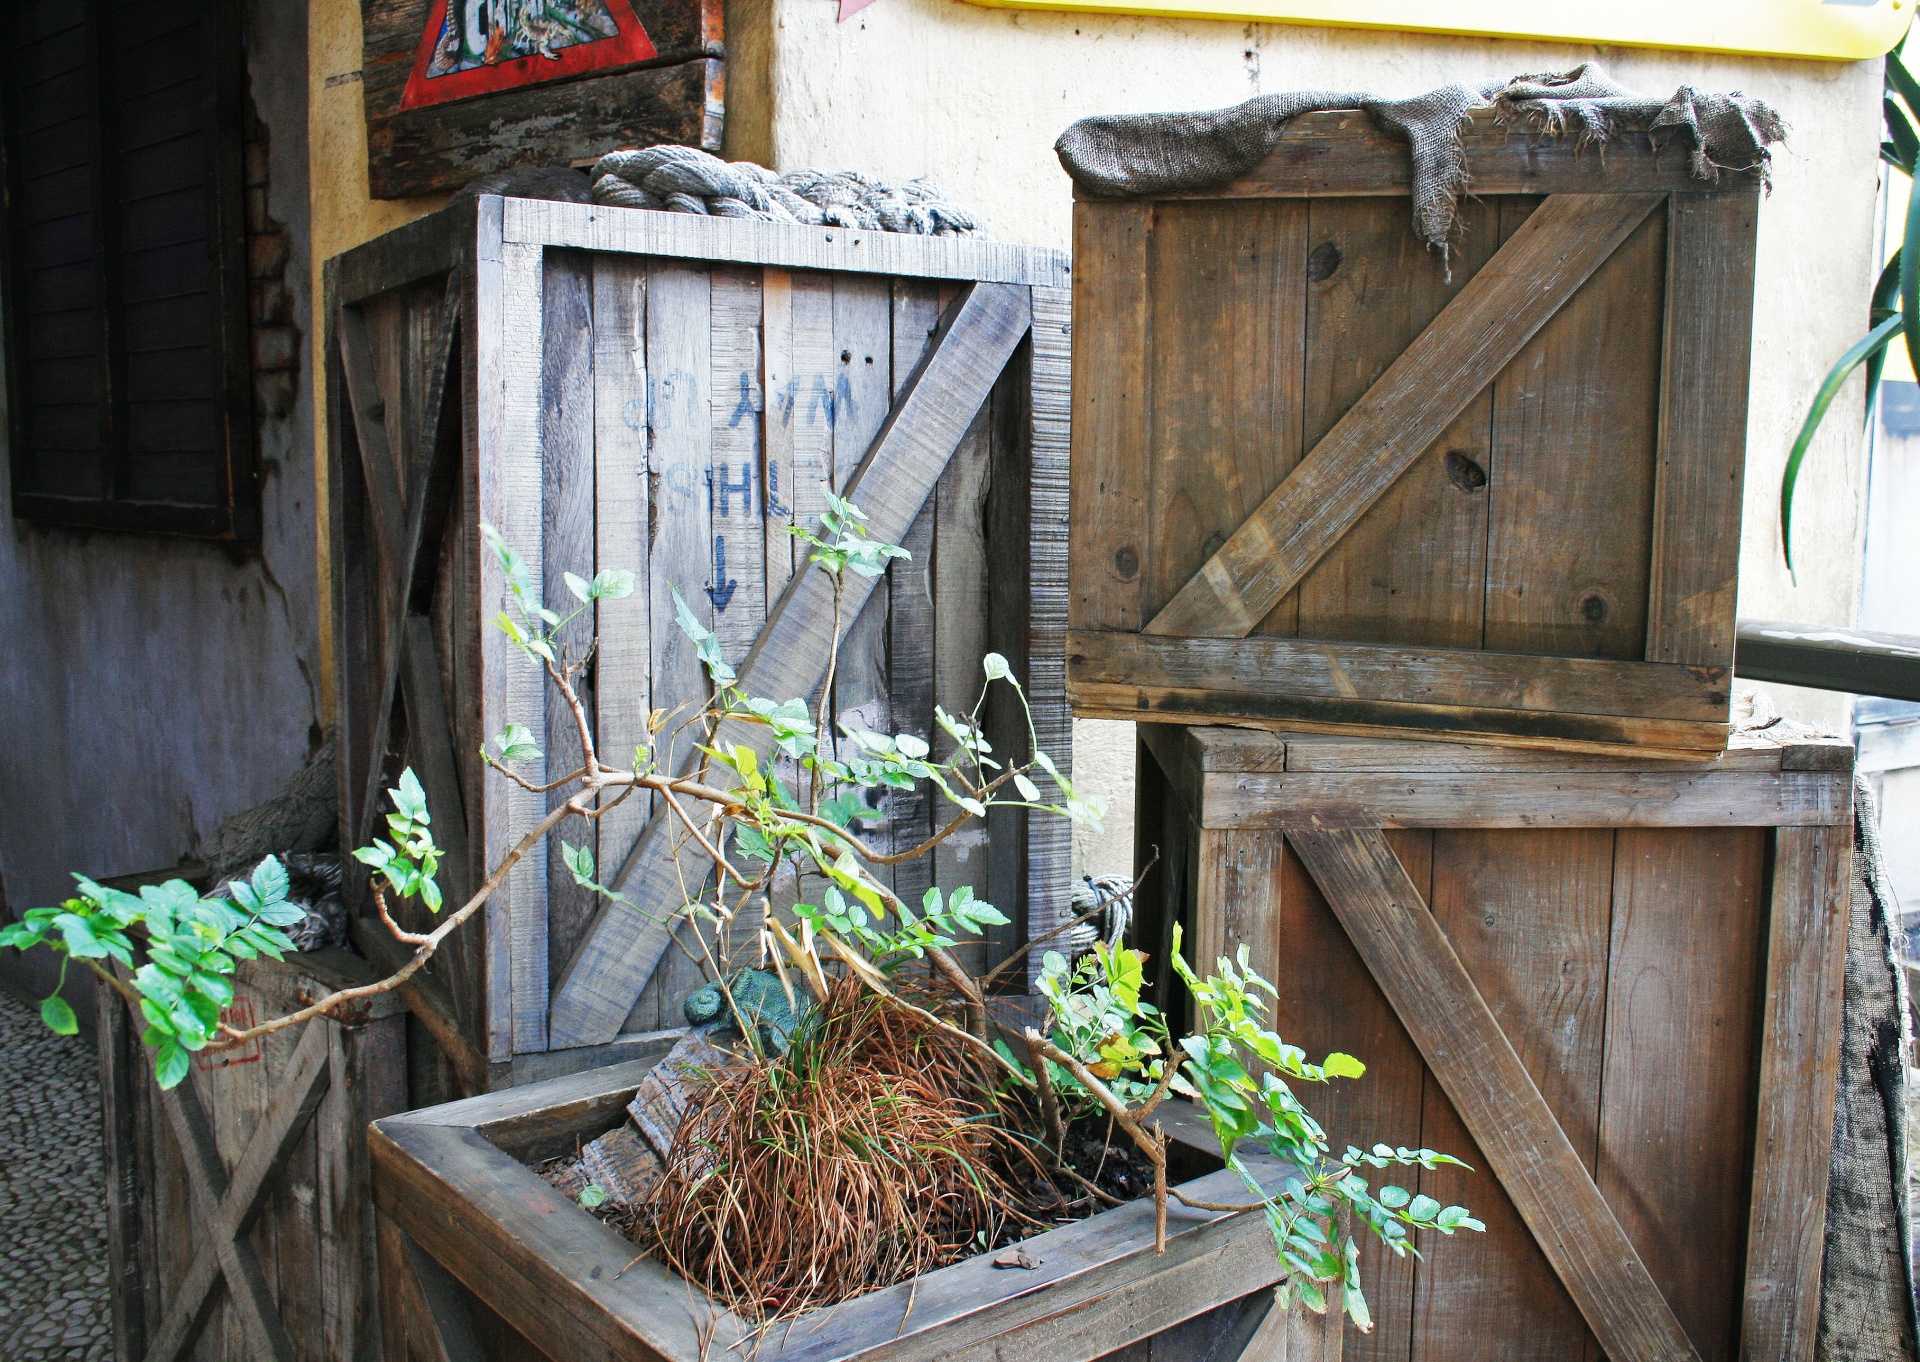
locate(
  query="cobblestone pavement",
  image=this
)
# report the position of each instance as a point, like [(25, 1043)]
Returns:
[(53, 1221)]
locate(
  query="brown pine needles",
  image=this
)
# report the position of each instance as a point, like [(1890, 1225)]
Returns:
[(869, 1153)]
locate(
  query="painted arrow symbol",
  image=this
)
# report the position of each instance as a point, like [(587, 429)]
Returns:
[(722, 594)]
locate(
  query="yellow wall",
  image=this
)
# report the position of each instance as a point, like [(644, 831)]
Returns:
[(343, 216)]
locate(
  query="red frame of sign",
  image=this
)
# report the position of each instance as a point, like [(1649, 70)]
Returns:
[(627, 48)]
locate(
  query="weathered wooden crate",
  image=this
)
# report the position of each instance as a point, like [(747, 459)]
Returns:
[(1320, 482), (475, 1245), (619, 388), (239, 1205), (1611, 985)]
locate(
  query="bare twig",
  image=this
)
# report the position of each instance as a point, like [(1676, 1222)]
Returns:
[(1049, 1100)]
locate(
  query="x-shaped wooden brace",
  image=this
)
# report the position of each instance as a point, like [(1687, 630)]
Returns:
[(1383, 434), (226, 1208), (1417, 969), (406, 533)]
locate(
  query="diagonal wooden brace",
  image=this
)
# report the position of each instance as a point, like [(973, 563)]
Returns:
[(936, 406), (227, 1207), (1409, 406), (1415, 965)]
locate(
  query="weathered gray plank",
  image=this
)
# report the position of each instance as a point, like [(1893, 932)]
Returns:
[(1419, 395), (1415, 966), (737, 583), (745, 242), (1799, 1065), (982, 330)]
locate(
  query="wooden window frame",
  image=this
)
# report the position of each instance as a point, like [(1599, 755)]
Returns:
[(236, 516)]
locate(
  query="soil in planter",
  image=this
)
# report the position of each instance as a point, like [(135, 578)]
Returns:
[(876, 1149)]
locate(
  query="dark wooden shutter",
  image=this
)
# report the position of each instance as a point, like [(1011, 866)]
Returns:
[(126, 280)]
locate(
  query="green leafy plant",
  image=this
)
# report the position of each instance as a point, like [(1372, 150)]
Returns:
[(1894, 309)]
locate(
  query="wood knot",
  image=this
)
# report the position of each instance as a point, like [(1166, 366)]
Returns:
[(1322, 261), (1463, 472), (1593, 609), (1126, 562)]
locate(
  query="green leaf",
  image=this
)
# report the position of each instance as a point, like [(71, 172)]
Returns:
[(581, 588), (170, 1064), (1900, 134), (1830, 386), (269, 881), (611, 584), (579, 862), (995, 667), (593, 1197), (1393, 1198), (515, 743), (1028, 790), (1910, 280), (1337, 1065), (409, 797), (1903, 82), (58, 1016)]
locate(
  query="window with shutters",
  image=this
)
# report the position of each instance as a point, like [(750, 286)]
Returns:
[(126, 279)]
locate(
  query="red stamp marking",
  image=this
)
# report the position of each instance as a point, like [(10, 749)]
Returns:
[(239, 1015)]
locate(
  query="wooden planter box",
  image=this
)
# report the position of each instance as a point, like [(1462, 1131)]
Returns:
[(618, 388), (1613, 986), (239, 1207), (476, 1246), (1319, 484)]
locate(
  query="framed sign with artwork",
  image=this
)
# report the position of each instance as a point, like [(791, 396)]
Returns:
[(457, 88)]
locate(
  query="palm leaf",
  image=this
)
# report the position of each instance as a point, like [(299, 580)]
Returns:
[(1900, 135), (1874, 341), (1884, 294), (1903, 83)]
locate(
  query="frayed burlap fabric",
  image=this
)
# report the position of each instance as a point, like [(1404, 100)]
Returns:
[(1139, 155), (1866, 1295), (677, 179)]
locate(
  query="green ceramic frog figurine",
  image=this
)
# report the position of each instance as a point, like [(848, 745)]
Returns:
[(759, 998)]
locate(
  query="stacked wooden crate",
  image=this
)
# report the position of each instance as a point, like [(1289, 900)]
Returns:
[(1340, 493), (614, 388)]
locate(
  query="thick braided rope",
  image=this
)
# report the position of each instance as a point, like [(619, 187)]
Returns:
[(676, 179)]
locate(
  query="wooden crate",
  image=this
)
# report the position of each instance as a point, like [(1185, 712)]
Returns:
[(475, 1245), (621, 388), (1612, 985), (1319, 483), (239, 1205)]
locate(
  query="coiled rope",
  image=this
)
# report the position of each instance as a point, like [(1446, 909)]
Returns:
[(675, 179)]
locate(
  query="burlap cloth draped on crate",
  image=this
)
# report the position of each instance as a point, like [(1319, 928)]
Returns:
[(1136, 155)]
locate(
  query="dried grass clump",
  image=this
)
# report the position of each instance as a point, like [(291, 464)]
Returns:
[(866, 1155)]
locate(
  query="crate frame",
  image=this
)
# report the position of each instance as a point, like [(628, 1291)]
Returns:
[(1195, 658), (1230, 803)]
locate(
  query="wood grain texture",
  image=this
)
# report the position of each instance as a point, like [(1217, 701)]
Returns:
[(981, 332), (737, 574), (1418, 970), (1421, 393), (1800, 1027), (1227, 297), (1048, 439), (1412, 569), (1340, 151), (1703, 427), (1294, 669), (744, 241), (1684, 797), (1689, 949), (1570, 519), (1110, 425), (568, 501), (1528, 914)]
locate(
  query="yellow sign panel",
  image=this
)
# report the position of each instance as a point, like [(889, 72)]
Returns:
[(1834, 30)]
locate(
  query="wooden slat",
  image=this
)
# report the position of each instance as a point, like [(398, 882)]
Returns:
[(568, 500), (606, 975), (811, 403), (1703, 427), (1049, 436), (508, 341), (1528, 914), (1464, 677), (1799, 1063), (622, 528), (1416, 967), (1226, 750), (1227, 305), (1688, 954), (1412, 570), (1110, 428), (737, 575), (1572, 489), (1340, 152), (742, 241), (1685, 796), (777, 385), (1493, 316)]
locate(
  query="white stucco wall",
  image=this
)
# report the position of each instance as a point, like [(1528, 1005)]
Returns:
[(974, 97)]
